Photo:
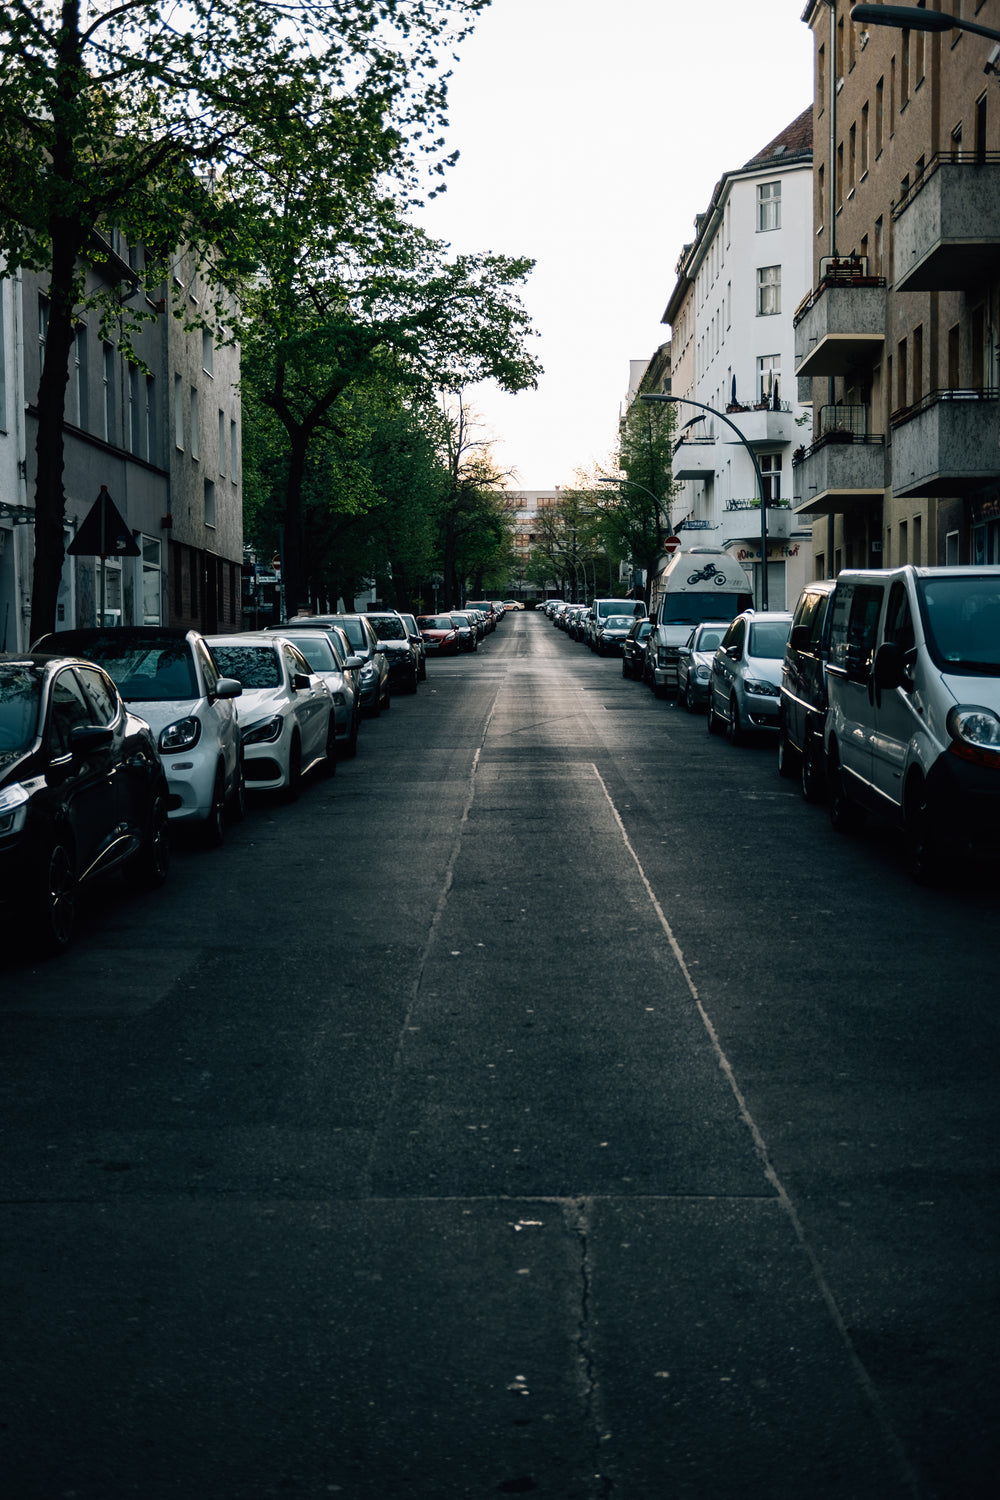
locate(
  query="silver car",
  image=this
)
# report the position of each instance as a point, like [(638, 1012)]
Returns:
[(694, 663), (324, 652), (744, 694)]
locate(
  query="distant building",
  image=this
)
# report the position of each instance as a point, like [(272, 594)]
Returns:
[(732, 349), (897, 342)]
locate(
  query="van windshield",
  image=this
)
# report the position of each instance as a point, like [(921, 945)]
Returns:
[(961, 618), (689, 609)]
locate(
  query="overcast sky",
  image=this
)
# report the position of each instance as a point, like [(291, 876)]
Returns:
[(591, 133)]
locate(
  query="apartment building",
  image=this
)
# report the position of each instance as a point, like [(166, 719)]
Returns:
[(170, 467), (732, 338), (896, 343)]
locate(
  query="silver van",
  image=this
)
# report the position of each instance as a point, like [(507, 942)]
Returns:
[(913, 724)]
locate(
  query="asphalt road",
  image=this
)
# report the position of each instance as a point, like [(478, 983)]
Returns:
[(549, 1103)]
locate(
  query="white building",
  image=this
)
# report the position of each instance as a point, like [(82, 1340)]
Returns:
[(733, 349)]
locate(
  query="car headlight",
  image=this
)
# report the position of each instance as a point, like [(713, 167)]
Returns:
[(975, 733), (183, 734), (702, 674), (13, 810), (368, 671), (764, 689), (266, 731)]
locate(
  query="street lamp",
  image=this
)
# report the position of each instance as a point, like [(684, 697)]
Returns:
[(686, 401), (910, 18)]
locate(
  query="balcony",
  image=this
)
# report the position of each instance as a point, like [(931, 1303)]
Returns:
[(947, 227), (695, 459), (741, 521), (840, 327), (947, 444), (844, 469), (768, 423)]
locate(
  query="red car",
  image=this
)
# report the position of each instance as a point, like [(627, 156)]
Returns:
[(439, 634)]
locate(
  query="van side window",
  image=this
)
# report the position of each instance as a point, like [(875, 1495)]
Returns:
[(856, 612), (898, 619)]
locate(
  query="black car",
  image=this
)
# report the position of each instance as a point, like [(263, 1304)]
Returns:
[(401, 655), (802, 714), (82, 790)]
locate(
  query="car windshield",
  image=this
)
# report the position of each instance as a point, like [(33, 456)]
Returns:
[(390, 628), (20, 695), (462, 619), (316, 649), (436, 622), (710, 639), (962, 620), (147, 671), (254, 666), (619, 622), (767, 638)]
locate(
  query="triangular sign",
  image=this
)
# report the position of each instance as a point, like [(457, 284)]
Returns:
[(104, 532)]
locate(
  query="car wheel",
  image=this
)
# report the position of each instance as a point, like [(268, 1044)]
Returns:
[(924, 855), (214, 830), (690, 702), (625, 670), (711, 722), (845, 816), (294, 786), (53, 906), (238, 798), (813, 780), (330, 763), (151, 862), (786, 755), (734, 729), (351, 747), (386, 700), (411, 686)]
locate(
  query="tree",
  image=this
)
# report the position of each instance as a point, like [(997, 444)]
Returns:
[(633, 514), (168, 123), (475, 522)]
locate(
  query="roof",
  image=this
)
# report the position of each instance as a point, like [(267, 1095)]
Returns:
[(793, 141)]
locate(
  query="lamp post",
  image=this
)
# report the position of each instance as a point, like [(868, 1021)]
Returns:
[(910, 18), (686, 401)]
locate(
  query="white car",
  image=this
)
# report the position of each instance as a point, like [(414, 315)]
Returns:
[(286, 715), (167, 676), (325, 652)]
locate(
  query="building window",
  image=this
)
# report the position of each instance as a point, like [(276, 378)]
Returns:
[(768, 370), (852, 158), (209, 502), (3, 363), (901, 373), (918, 363), (222, 444), (233, 453), (133, 437), (879, 115), (152, 567), (864, 139), (207, 352), (77, 403), (768, 206), (879, 247), (178, 413), (904, 70), (770, 473), (195, 425), (954, 362), (152, 451), (768, 290), (108, 392)]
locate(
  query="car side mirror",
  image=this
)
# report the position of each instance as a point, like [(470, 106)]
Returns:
[(84, 739), (353, 663), (227, 687), (799, 638), (888, 666), (683, 651), (301, 682)]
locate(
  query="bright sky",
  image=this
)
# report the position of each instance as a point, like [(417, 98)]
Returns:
[(591, 132)]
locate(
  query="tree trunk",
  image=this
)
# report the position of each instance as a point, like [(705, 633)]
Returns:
[(296, 583), (50, 499)]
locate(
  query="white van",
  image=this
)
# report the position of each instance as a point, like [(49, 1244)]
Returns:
[(703, 583), (913, 727)]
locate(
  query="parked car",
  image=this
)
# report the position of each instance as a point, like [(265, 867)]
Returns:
[(169, 677), (373, 668), (439, 634), (324, 651), (913, 726), (486, 608), (611, 631), (703, 583), (400, 653), (634, 647), (82, 791), (418, 641), (743, 693), (803, 703), (468, 630), (287, 722), (694, 663)]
